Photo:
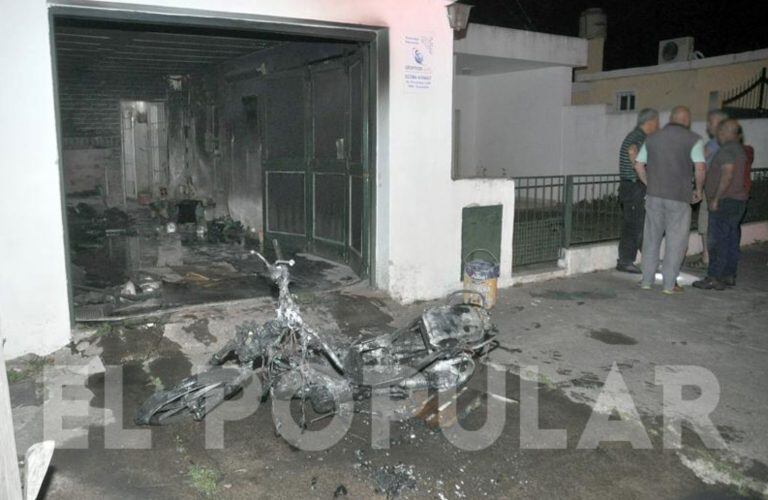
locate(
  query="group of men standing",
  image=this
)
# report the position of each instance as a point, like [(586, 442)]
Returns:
[(663, 173)]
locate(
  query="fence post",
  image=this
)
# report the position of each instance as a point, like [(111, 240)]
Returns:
[(568, 211)]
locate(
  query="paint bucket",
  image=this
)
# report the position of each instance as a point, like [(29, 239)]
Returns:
[(481, 276)]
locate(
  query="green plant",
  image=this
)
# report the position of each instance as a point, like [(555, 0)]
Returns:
[(156, 383), (103, 329), (29, 369), (203, 479), (15, 375)]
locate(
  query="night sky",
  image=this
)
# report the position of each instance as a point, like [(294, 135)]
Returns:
[(636, 26)]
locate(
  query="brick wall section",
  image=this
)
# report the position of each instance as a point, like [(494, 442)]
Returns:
[(89, 106), (88, 169), (90, 103)]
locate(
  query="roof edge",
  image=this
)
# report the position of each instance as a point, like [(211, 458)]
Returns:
[(709, 62)]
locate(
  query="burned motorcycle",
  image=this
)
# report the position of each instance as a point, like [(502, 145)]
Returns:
[(435, 351)]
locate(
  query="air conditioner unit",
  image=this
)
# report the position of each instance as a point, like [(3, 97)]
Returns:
[(676, 50)]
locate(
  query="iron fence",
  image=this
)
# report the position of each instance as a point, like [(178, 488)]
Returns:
[(539, 220), (757, 206), (561, 211), (592, 209), (748, 100)]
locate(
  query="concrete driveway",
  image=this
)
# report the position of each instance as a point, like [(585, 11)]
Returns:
[(560, 341)]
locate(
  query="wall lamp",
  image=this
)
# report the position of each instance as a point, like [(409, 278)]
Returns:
[(458, 15)]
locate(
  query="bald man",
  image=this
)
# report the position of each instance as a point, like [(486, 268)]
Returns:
[(727, 196), (714, 118), (669, 163)]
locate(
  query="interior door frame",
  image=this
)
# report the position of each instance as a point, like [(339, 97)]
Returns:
[(376, 39), (156, 144), (128, 165)]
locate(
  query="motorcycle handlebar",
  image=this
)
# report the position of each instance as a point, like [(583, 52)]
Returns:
[(278, 262)]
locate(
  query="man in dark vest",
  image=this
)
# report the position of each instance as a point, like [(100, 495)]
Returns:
[(671, 164)]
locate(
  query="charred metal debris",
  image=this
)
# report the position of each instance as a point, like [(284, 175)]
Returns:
[(436, 351)]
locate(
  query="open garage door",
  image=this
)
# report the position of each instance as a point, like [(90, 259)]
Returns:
[(316, 167), (215, 130)]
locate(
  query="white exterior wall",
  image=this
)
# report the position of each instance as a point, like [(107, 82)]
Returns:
[(465, 100), (517, 115), (592, 136), (517, 123), (418, 212), (519, 48), (602, 256), (34, 312)]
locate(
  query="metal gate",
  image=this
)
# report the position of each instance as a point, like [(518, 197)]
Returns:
[(316, 161), (285, 162), (749, 100), (539, 220)]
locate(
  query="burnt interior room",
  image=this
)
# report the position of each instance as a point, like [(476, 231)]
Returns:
[(184, 149)]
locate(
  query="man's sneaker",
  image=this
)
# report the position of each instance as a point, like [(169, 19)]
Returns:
[(709, 284), (729, 281), (677, 289), (628, 268), (644, 286)]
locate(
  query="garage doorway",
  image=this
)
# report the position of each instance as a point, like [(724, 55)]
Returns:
[(206, 124)]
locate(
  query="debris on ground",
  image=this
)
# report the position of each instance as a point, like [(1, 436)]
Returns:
[(124, 261), (128, 289), (88, 227), (225, 230), (148, 284), (391, 480), (85, 211), (441, 411), (114, 218)]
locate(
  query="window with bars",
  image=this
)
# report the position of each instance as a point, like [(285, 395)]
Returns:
[(625, 101)]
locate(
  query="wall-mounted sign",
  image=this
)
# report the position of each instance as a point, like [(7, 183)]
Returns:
[(418, 65)]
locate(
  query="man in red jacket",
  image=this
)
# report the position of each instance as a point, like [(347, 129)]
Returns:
[(749, 151)]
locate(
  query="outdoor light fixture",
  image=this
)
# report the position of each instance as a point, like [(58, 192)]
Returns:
[(458, 15)]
